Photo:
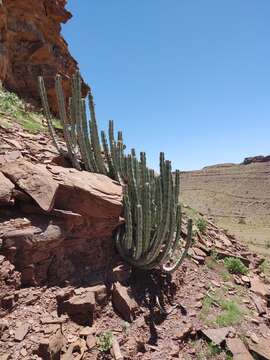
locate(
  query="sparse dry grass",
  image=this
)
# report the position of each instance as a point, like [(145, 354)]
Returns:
[(14, 108), (219, 311)]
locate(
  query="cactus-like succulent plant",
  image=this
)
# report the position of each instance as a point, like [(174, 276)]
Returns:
[(152, 235)]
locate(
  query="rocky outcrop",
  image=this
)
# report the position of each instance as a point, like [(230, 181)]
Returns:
[(256, 159), (57, 223), (31, 45)]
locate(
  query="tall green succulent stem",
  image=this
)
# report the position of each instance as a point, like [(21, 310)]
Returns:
[(65, 124), (48, 116), (94, 136)]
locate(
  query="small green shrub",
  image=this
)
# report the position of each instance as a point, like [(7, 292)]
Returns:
[(225, 276), (201, 224), (231, 314), (235, 266), (12, 106), (104, 341), (213, 350)]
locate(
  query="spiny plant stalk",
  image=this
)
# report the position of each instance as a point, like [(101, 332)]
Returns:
[(65, 124), (48, 116), (152, 235), (94, 136)]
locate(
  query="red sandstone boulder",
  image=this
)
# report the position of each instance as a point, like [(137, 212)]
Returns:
[(35, 180), (60, 221), (81, 308)]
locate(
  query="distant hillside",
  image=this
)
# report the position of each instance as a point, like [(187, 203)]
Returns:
[(236, 196)]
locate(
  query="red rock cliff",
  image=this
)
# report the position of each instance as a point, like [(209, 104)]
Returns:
[(31, 45)]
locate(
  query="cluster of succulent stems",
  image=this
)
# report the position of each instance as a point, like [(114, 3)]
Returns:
[(152, 235)]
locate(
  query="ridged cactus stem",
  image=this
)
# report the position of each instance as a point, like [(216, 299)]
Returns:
[(132, 181), (113, 150), (178, 228), (177, 185), (128, 217), (64, 121), (120, 154), (183, 254), (162, 168), (146, 217), (143, 168), (91, 162), (107, 155), (94, 136), (139, 232), (77, 108), (72, 120), (48, 116)]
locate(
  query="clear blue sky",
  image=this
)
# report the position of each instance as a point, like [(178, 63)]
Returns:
[(188, 77)]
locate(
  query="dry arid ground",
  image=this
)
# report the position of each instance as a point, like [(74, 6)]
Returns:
[(237, 197)]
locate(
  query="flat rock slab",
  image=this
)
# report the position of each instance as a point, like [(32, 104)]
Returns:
[(81, 308), (122, 302), (35, 180), (51, 348), (6, 187), (261, 349), (183, 333), (238, 349), (260, 304), (79, 192), (217, 336), (258, 287), (10, 156), (21, 332), (87, 193)]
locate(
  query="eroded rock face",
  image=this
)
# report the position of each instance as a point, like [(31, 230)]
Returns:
[(31, 45), (256, 159), (58, 223)]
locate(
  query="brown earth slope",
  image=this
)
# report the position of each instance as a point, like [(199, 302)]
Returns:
[(236, 196)]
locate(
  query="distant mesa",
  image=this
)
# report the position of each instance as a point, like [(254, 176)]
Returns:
[(224, 165), (247, 161)]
